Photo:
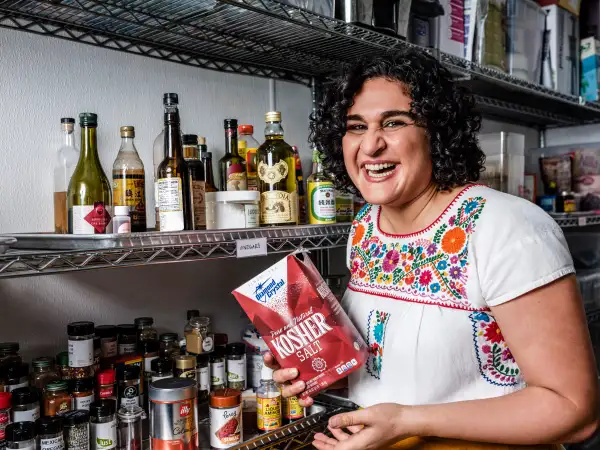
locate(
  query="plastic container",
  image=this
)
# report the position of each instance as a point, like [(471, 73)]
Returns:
[(103, 425), (225, 418), (76, 427), (122, 220), (50, 433), (232, 209), (505, 161), (525, 23), (25, 405), (20, 435), (81, 344)]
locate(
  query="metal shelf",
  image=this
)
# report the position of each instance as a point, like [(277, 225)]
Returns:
[(269, 39), (160, 248), (576, 220)]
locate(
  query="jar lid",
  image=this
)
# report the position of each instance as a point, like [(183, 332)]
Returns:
[(76, 417), (220, 339), (16, 371), (192, 313), (122, 210), (225, 398), (5, 400), (130, 413), (106, 377), (106, 331), (20, 431), (245, 129), (97, 342), (148, 347), (127, 329), (62, 359), (128, 372), (143, 321), (218, 352), (236, 348), (200, 321), (80, 328), (56, 386), (273, 116), (42, 361), (103, 408), (49, 425), (24, 396), (161, 365), (168, 337), (230, 123), (82, 385), (232, 196), (9, 347), (185, 362), (172, 390)]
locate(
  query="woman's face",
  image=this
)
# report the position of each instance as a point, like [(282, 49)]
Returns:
[(386, 155)]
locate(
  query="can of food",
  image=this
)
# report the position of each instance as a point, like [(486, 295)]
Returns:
[(173, 414), (225, 418)]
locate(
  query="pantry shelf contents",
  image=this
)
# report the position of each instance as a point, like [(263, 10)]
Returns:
[(38, 254), (566, 220)]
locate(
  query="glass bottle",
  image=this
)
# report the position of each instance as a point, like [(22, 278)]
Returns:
[(276, 176), (268, 402), (173, 185), (344, 209), (145, 329), (66, 160), (44, 372), (321, 194), (197, 337), (209, 184), (127, 338), (57, 399), (129, 180), (195, 170), (103, 425), (232, 168), (246, 135), (302, 215), (89, 197), (169, 345), (9, 353)]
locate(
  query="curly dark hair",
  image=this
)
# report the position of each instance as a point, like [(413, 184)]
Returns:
[(444, 109)]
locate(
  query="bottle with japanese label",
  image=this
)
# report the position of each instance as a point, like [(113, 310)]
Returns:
[(321, 194), (173, 184), (129, 180), (251, 146), (232, 167), (276, 169), (89, 197), (268, 402), (195, 171), (302, 219), (66, 160)]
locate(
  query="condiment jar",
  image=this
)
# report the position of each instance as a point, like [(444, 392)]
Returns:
[(236, 366), (81, 344), (5, 403), (161, 368), (62, 365), (9, 353), (145, 330), (197, 338), (127, 339), (83, 393), (25, 405), (108, 340), (185, 366), (169, 345), (225, 418), (128, 379), (121, 220), (129, 428), (44, 372), (20, 435), (50, 433), (57, 399), (106, 385), (103, 425), (17, 376), (218, 378), (76, 427), (97, 353)]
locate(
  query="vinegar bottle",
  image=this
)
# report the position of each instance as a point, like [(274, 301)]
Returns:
[(66, 160)]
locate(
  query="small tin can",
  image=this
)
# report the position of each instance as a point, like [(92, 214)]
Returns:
[(225, 418), (185, 366)]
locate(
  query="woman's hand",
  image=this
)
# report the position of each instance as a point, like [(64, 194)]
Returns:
[(285, 377), (371, 428)]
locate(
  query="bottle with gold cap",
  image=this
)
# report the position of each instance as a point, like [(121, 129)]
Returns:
[(129, 185), (276, 169)]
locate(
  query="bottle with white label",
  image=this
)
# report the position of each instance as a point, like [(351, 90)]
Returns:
[(103, 425), (20, 435), (128, 379), (50, 433), (83, 393), (321, 194), (81, 344), (25, 405), (218, 375), (236, 366)]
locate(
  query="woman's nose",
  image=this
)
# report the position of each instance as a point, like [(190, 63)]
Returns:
[(373, 142)]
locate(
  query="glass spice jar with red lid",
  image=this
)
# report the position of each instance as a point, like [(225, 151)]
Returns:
[(106, 380)]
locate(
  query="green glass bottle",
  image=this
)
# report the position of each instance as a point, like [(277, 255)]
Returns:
[(232, 167), (276, 168), (89, 196)]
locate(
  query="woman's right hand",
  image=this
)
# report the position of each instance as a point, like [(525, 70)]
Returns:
[(285, 378)]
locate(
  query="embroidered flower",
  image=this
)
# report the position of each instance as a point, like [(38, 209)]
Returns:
[(455, 272), (425, 278), (364, 245), (378, 331), (391, 260), (409, 279), (469, 228), (486, 349), (507, 355), (454, 240), (453, 259), (493, 333), (442, 265), (481, 316), (368, 218), (405, 248), (359, 233), (471, 206), (452, 220), (435, 287), (431, 249), (417, 272)]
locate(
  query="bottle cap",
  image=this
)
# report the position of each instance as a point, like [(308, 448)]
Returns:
[(5, 398), (236, 348), (273, 116), (130, 414), (170, 99), (245, 129), (42, 361), (67, 120), (127, 329), (19, 432), (168, 337), (192, 313), (190, 139), (9, 347), (103, 408), (56, 386), (106, 331), (62, 359), (49, 425), (206, 155), (201, 140), (143, 321), (24, 396), (122, 211), (127, 131), (185, 362), (88, 119), (225, 398), (221, 338), (161, 365), (230, 123), (106, 377), (80, 328), (266, 373), (76, 417)]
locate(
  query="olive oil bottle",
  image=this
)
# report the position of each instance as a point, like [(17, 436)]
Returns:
[(276, 168)]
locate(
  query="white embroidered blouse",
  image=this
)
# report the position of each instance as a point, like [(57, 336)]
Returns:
[(422, 301)]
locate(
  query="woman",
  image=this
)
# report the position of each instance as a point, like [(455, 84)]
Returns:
[(466, 296)]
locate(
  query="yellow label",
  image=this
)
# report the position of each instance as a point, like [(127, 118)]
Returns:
[(273, 174), (321, 202), (268, 411), (242, 150), (293, 410), (278, 207), (251, 169), (129, 190)]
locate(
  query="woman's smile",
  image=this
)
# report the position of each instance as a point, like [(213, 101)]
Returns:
[(377, 171)]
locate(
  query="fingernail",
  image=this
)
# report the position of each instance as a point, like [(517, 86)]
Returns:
[(294, 372), (301, 385)]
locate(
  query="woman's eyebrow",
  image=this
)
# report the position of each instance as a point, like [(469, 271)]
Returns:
[(384, 115)]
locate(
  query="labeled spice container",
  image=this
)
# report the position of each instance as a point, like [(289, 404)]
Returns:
[(185, 366), (108, 340), (197, 337), (81, 344), (25, 405), (17, 376), (161, 368), (57, 399), (50, 433), (83, 393), (169, 345), (20, 435), (44, 372), (203, 381), (9, 353), (225, 418), (128, 380), (97, 353), (173, 414), (106, 385), (76, 426), (218, 375), (145, 330), (236, 366), (149, 351), (103, 425), (5, 403), (129, 428), (127, 339), (62, 365)]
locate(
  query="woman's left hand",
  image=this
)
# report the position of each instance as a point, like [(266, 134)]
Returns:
[(370, 428)]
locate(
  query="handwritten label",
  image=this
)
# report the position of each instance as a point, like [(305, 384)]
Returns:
[(582, 221), (251, 247)]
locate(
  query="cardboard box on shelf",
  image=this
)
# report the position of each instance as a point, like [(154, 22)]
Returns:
[(572, 6), (449, 34), (590, 69)]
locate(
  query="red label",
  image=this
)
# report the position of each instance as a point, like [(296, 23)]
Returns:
[(184, 409), (98, 217), (106, 392), (4, 419)]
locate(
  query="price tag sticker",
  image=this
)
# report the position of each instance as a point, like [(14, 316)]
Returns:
[(251, 247), (582, 221)]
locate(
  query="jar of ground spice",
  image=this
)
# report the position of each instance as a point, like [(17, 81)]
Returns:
[(57, 399), (76, 426), (25, 405), (169, 345), (127, 339), (50, 433), (81, 344), (83, 393), (225, 418), (108, 340), (106, 385)]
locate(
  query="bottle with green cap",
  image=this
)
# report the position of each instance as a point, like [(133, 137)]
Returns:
[(321, 194), (89, 196)]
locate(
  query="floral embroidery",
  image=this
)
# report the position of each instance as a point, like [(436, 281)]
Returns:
[(496, 362), (432, 268), (377, 323)]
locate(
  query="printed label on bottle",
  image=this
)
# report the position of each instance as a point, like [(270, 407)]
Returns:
[(103, 436), (273, 174), (236, 178), (55, 443), (268, 413), (251, 169), (321, 202), (188, 374), (256, 364), (81, 353), (31, 415), (293, 410), (217, 373), (203, 378), (12, 387), (199, 207), (4, 420), (236, 370), (107, 392), (207, 344), (83, 402), (148, 362), (129, 395), (252, 215), (130, 190), (225, 426), (109, 347), (91, 219), (278, 207), (344, 208), (170, 204), (127, 349)]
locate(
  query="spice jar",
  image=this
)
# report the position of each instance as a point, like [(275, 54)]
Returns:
[(128, 379), (97, 353), (225, 418), (81, 344), (76, 427), (108, 340), (5, 403), (62, 365), (57, 399), (103, 425), (9, 353), (83, 393), (129, 428), (20, 435), (203, 382), (106, 385), (3, 378), (127, 339), (169, 345), (44, 372), (17, 376), (197, 339), (185, 366), (236, 366), (25, 405), (161, 368), (145, 330), (50, 433), (217, 369)]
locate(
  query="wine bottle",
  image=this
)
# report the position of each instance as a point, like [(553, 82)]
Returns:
[(66, 160), (209, 185), (232, 167), (195, 172), (89, 197)]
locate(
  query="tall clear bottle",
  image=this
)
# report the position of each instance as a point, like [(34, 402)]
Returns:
[(67, 157), (173, 184), (129, 180), (89, 196), (245, 133), (232, 167)]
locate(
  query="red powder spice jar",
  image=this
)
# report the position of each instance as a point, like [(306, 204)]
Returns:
[(225, 418)]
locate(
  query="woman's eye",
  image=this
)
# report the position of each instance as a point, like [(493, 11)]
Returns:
[(393, 124), (356, 127)]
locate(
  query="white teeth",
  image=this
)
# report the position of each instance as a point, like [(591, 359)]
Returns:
[(378, 175), (379, 166)]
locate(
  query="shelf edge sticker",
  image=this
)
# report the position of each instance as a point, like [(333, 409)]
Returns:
[(251, 247), (582, 221)]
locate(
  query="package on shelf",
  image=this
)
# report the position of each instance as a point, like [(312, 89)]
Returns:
[(590, 69), (504, 161), (485, 37), (445, 32), (572, 6)]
